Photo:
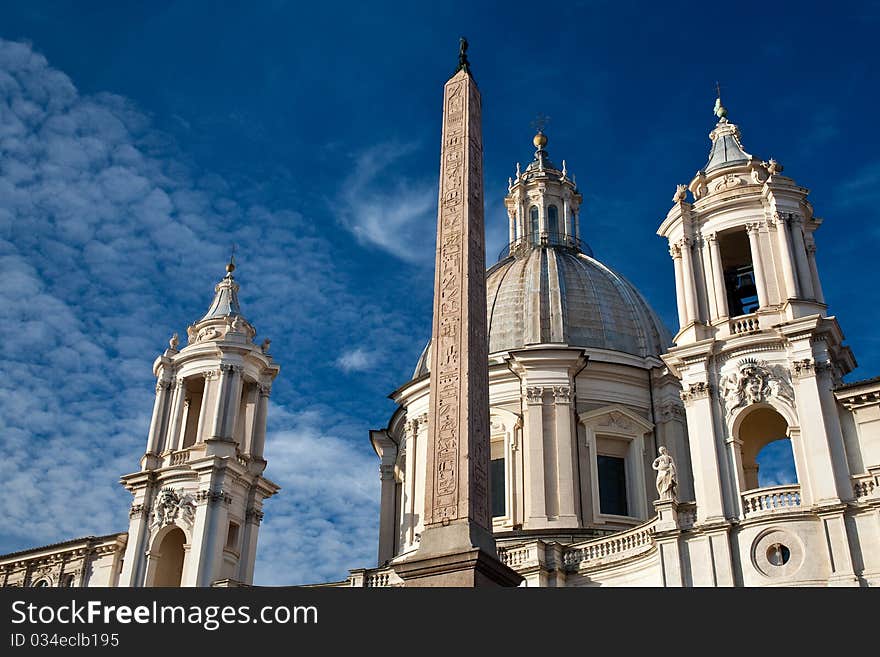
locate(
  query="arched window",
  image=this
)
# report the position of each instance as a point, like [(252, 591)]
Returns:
[(534, 225), (67, 580), (555, 235), (764, 440), (41, 583)]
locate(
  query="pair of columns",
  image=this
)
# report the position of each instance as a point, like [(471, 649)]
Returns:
[(795, 252), (170, 408)]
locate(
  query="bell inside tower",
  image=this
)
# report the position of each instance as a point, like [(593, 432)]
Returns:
[(739, 274)]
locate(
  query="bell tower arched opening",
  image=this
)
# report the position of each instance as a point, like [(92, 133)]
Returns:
[(169, 571), (762, 427)]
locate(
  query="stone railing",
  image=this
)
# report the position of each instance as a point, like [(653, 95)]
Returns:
[(863, 485), (518, 556), (616, 547), (775, 499), (179, 458), (743, 324), (377, 580)]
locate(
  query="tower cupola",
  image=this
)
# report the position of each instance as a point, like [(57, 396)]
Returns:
[(542, 204)]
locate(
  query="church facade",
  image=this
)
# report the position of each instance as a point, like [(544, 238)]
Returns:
[(587, 387), (620, 455)]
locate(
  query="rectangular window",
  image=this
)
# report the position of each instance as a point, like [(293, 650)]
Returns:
[(232, 536), (739, 275), (612, 485), (496, 485)]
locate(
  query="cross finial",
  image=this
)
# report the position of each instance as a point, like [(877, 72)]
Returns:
[(540, 122), (231, 266), (720, 111)]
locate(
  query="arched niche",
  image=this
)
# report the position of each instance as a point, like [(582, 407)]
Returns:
[(166, 557)]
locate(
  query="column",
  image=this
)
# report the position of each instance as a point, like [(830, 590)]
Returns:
[(138, 533), (520, 228), (791, 289), (565, 472), (814, 435), (566, 217), (209, 536), (233, 402), (259, 431), (675, 252), (157, 420), (709, 279), (535, 511), (204, 411), (814, 273), (218, 418), (176, 422), (410, 481), (708, 484), (757, 263), (718, 276), (252, 519), (690, 297), (511, 217), (387, 519), (800, 257)]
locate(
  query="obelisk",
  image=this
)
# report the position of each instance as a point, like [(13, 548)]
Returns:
[(457, 547)]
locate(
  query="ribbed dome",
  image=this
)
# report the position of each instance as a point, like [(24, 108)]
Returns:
[(558, 295)]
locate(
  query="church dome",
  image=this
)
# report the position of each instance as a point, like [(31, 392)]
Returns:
[(555, 294)]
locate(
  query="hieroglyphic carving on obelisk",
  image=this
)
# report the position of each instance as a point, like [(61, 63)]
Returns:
[(456, 493)]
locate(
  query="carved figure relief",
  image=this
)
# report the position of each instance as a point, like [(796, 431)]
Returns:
[(754, 381), (170, 506)]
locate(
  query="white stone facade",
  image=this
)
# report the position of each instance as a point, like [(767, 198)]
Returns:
[(756, 358)]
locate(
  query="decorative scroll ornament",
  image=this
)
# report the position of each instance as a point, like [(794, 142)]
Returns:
[(755, 381), (729, 181), (171, 506)]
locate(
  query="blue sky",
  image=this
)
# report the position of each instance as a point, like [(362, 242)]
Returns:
[(139, 140)]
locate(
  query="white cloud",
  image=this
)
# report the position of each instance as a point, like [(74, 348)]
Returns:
[(386, 208), (356, 360), (108, 244)]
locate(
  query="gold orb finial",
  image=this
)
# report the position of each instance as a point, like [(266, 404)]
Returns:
[(540, 140)]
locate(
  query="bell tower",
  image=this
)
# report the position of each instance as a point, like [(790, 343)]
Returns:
[(199, 494), (757, 354)]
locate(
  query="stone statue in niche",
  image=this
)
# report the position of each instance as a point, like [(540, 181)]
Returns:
[(667, 479), (753, 382)]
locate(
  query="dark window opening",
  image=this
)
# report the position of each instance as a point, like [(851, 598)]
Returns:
[(553, 224), (739, 274), (496, 485), (534, 225), (612, 485)]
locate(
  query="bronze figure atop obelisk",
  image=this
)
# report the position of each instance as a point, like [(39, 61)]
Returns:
[(457, 547)]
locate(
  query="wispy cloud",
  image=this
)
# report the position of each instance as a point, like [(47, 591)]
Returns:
[(384, 207), (108, 244), (861, 188)]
